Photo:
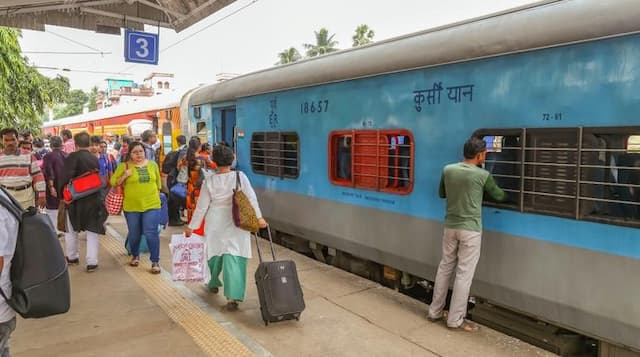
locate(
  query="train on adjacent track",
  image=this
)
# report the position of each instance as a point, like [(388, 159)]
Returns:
[(160, 113), (345, 152)]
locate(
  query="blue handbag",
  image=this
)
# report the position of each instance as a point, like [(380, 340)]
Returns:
[(179, 189)]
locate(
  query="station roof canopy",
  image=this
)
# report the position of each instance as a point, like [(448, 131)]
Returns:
[(106, 16)]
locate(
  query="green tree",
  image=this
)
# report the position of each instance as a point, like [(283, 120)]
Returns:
[(363, 35), (92, 99), (324, 44), (74, 104), (24, 92), (289, 55)]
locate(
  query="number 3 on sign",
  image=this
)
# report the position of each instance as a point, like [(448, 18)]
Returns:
[(144, 47)]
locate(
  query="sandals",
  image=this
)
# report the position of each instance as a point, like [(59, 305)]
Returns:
[(232, 305), (436, 319), (155, 268), (467, 326), (135, 261)]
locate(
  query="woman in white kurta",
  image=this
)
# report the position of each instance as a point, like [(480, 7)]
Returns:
[(228, 246)]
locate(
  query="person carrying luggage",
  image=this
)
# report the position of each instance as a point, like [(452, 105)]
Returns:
[(8, 237), (141, 205), (87, 213), (170, 171), (228, 246)]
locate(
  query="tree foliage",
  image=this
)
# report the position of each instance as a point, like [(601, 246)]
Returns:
[(75, 102), (24, 92), (289, 55), (363, 35), (324, 44), (92, 99)]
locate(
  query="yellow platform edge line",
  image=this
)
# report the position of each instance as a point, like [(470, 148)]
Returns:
[(210, 336)]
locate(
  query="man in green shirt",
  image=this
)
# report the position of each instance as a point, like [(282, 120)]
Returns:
[(463, 185)]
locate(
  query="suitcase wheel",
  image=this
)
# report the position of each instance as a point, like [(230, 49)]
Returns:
[(266, 323)]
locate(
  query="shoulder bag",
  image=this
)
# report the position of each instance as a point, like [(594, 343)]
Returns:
[(244, 216), (84, 185), (115, 198)]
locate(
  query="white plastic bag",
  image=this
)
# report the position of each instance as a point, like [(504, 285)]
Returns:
[(189, 258)]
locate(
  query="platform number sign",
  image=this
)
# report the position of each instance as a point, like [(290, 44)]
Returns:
[(140, 47)]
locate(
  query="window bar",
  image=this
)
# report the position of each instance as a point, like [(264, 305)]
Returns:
[(377, 159), (280, 148), (523, 155), (578, 173), (353, 158)]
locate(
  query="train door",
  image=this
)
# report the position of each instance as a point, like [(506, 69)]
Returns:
[(224, 125), (228, 127)]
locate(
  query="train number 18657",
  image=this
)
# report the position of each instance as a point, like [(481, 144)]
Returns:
[(319, 106)]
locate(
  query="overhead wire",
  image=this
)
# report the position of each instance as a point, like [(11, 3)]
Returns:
[(201, 30), (74, 41), (66, 53), (80, 70)]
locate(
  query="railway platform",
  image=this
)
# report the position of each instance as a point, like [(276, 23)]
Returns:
[(124, 311)]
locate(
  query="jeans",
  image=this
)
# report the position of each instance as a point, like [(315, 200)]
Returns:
[(6, 328), (145, 223)]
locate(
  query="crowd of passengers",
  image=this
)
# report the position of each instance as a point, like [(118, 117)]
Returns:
[(34, 171)]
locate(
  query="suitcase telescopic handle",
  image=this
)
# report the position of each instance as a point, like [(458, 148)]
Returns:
[(273, 253)]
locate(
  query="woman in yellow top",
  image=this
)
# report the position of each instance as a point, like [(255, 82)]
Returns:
[(141, 206)]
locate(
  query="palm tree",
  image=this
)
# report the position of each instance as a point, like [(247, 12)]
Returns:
[(363, 35), (289, 55), (324, 44)]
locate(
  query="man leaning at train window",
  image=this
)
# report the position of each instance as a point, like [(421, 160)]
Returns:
[(462, 185)]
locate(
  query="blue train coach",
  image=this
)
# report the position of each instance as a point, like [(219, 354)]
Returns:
[(346, 150)]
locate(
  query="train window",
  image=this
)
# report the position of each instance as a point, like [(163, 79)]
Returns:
[(633, 143), (275, 153), (504, 162), (610, 176), (550, 169), (583, 173), (201, 129), (196, 112), (380, 160)]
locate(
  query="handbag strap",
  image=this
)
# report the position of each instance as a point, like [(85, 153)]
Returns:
[(238, 185), (126, 167)]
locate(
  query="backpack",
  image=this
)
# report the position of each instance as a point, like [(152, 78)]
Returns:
[(170, 167), (39, 276)]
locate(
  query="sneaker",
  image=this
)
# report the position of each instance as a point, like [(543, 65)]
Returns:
[(92, 268), (213, 290), (72, 261), (155, 268)]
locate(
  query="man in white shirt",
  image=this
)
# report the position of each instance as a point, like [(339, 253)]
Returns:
[(8, 237)]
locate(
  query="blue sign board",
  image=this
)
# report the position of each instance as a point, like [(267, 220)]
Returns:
[(140, 47)]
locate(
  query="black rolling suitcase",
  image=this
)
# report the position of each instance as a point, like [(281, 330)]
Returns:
[(279, 289)]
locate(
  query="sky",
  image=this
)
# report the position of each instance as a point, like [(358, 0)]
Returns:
[(244, 37)]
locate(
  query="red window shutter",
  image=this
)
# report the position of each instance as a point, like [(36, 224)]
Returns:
[(369, 154)]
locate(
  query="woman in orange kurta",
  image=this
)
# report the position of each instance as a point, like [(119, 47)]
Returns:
[(197, 158)]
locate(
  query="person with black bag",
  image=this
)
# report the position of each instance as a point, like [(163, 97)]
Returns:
[(228, 246), (8, 237), (170, 172), (87, 213)]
